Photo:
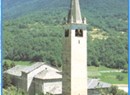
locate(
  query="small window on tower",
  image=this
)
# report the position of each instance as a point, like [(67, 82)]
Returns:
[(79, 33), (67, 33)]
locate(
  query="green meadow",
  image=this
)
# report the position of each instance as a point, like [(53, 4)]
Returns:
[(108, 75), (9, 62)]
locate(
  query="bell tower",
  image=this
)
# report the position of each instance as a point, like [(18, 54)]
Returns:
[(75, 53)]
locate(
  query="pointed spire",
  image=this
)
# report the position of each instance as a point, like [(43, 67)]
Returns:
[(74, 15)]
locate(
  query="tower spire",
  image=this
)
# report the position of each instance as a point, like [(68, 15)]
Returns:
[(74, 15)]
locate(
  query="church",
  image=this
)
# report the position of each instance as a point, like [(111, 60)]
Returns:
[(42, 78), (72, 80)]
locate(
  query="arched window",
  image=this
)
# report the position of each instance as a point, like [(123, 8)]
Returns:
[(79, 33)]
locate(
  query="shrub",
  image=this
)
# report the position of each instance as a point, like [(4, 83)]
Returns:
[(120, 77), (6, 81)]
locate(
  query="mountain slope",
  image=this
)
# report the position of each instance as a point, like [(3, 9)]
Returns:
[(16, 8), (33, 30)]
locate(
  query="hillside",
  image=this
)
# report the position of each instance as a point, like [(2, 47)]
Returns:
[(104, 14), (33, 30), (17, 8)]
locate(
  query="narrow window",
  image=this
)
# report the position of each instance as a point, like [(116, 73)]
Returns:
[(79, 33), (67, 33), (79, 41), (76, 32)]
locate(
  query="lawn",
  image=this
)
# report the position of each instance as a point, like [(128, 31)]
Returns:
[(100, 68), (18, 62), (109, 77)]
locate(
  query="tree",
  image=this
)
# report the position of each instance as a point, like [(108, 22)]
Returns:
[(125, 69), (5, 66), (113, 90), (12, 65), (121, 92), (6, 81)]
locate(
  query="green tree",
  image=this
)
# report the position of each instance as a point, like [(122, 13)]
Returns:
[(6, 81)]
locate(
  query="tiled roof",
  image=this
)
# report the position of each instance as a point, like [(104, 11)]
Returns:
[(16, 71), (48, 74), (32, 67), (95, 83)]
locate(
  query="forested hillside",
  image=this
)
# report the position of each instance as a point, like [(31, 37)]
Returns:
[(33, 30)]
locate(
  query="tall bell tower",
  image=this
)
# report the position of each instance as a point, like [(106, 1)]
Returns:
[(75, 53)]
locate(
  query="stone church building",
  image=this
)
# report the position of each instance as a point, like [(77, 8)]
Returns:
[(42, 78)]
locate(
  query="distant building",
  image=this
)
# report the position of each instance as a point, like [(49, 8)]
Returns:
[(42, 78)]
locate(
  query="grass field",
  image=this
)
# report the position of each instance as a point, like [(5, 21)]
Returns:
[(101, 68), (109, 77), (17, 62)]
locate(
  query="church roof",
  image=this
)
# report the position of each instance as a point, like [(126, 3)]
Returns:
[(46, 74), (95, 83), (16, 71), (48, 71), (28, 69)]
